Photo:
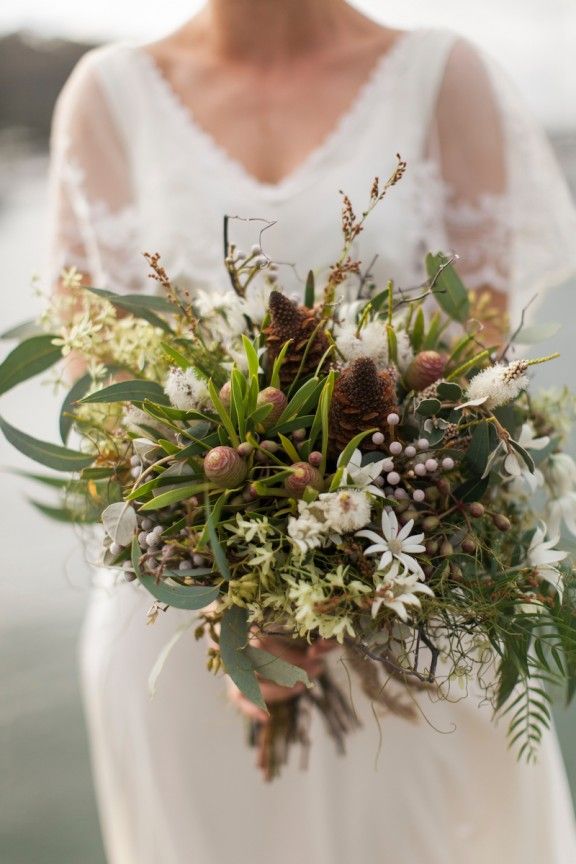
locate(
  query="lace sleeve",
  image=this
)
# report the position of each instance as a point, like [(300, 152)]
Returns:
[(93, 221), (507, 211)]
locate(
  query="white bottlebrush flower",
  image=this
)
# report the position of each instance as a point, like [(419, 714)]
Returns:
[(399, 594), (396, 546), (372, 341), (363, 476), (497, 385), (542, 556), (186, 390), (346, 510)]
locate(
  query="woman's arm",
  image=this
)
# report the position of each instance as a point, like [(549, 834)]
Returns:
[(467, 141)]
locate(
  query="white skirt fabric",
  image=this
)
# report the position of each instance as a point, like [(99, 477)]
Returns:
[(176, 782)]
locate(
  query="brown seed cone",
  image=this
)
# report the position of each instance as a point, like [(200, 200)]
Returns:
[(363, 398), (296, 323)]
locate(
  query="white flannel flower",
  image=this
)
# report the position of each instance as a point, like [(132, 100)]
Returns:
[(497, 385), (346, 510), (363, 477), (186, 390), (560, 475), (399, 594), (515, 465), (542, 556), (396, 546)]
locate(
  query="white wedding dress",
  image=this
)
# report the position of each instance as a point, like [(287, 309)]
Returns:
[(132, 171)]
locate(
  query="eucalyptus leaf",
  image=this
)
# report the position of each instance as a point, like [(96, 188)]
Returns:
[(472, 490), (120, 522), (140, 305), (76, 392), (275, 669), (447, 287), (189, 597), (28, 359), (129, 391), (63, 514), (429, 407), (448, 391), (537, 333), (22, 331), (234, 634), (50, 455)]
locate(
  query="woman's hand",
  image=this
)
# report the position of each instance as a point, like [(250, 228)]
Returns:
[(311, 659)]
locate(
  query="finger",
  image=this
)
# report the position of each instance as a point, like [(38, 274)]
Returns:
[(249, 709)]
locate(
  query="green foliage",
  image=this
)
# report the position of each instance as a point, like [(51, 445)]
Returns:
[(447, 287), (28, 359), (50, 455), (129, 391), (234, 635)]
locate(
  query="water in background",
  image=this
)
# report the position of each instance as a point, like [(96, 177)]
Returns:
[(48, 812)]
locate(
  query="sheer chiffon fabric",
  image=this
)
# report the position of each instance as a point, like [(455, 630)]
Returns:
[(133, 172)]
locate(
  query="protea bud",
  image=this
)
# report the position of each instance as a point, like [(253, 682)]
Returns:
[(278, 400), (226, 393), (223, 466), (426, 368), (303, 475)]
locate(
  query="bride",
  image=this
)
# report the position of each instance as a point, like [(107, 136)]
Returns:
[(265, 110)]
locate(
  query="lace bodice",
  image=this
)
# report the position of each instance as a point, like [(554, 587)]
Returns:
[(133, 172)]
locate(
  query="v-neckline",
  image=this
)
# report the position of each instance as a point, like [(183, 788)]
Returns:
[(344, 123)]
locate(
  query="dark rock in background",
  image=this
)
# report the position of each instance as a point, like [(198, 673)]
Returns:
[(32, 73)]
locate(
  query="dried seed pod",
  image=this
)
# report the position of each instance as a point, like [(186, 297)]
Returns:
[(223, 466)]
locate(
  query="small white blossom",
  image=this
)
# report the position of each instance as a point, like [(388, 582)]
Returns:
[(186, 390), (399, 593), (249, 529), (542, 555), (363, 477), (396, 546), (497, 385)]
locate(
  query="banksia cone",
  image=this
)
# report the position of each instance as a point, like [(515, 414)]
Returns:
[(363, 398), (426, 368), (225, 467), (296, 323)]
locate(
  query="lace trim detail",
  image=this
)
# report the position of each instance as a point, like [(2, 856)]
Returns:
[(343, 128)]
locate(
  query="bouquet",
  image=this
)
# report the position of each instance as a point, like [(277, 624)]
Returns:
[(367, 471)]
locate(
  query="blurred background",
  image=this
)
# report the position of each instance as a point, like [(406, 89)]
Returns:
[(48, 813)]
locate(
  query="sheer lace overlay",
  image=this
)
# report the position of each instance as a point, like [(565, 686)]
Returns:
[(132, 172)]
